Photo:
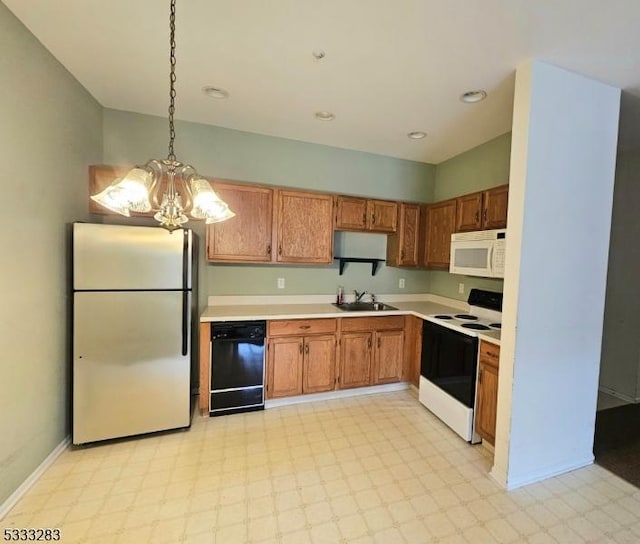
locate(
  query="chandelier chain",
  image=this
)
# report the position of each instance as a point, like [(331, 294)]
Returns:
[(172, 80)]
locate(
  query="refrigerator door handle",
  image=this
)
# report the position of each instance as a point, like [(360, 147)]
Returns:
[(185, 322)]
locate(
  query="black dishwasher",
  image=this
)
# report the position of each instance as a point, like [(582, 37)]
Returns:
[(237, 367)]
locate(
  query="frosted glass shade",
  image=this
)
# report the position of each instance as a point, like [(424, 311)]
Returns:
[(127, 194), (207, 204)]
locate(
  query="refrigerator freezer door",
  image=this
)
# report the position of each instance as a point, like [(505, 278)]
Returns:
[(117, 257), (129, 372)]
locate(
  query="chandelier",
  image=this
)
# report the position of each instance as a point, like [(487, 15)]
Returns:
[(158, 184)]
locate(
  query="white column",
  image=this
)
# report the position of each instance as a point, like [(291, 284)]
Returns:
[(565, 129)]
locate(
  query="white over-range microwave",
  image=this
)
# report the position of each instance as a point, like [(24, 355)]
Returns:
[(478, 253)]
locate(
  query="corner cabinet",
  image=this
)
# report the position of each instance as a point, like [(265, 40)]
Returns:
[(247, 237), (483, 210), (365, 215), (439, 224), (487, 400), (402, 247), (304, 227)]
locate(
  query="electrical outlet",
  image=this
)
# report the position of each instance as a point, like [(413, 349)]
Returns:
[(461, 288), (280, 283), (401, 283)]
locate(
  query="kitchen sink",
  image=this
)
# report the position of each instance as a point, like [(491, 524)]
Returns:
[(364, 306)]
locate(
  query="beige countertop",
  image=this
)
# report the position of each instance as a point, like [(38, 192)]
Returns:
[(270, 308)]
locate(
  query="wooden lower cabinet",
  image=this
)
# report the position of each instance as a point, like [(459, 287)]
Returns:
[(371, 351), (356, 356), (487, 399), (301, 363), (319, 364), (389, 356), (285, 367)]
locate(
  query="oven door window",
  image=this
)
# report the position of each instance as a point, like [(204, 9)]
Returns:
[(449, 360)]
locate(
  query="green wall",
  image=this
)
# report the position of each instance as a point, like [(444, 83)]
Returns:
[(224, 153), (51, 130), (479, 168)]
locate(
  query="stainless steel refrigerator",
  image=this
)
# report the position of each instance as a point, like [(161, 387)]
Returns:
[(132, 336)]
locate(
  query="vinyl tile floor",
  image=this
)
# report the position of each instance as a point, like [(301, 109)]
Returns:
[(369, 469)]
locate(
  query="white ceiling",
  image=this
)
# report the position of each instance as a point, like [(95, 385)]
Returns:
[(391, 66)]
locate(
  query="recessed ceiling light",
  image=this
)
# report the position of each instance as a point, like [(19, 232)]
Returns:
[(215, 92), (471, 97), (318, 54), (325, 116), (417, 135)]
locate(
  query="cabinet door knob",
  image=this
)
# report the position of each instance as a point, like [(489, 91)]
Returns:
[(369, 343), (300, 346), (280, 249), (378, 342), (373, 218), (364, 218), (269, 249), (477, 216), (402, 254), (485, 214), (306, 348)]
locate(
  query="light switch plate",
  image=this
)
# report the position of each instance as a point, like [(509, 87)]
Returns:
[(401, 283), (280, 283)]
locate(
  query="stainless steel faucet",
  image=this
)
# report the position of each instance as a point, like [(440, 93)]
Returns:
[(359, 295)]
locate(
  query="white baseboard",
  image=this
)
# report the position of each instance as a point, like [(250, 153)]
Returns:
[(621, 396), (340, 394), (11, 501), (548, 472)]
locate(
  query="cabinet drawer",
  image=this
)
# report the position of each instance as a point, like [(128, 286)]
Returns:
[(489, 353), (372, 323), (301, 326)]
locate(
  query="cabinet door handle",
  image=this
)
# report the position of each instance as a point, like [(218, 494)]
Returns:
[(402, 254), (280, 249), (477, 216), (485, 214), (305, 326), (373, 218), (378, 342), (269, 249), (306, 348), (369, 343), (300, 346)]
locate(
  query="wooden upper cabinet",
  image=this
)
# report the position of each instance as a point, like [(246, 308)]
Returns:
[(495, 207), (382, 215), (469, 212), (402, 247), (365, 215), (438, 225), (248, 235), (304, 227), (483, 210), (351, 213)]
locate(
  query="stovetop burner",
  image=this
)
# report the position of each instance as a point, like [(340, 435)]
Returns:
[(443, 317), (468, 317), (475, 326)]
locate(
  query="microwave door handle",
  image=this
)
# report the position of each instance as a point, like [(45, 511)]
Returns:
[(490, 264)]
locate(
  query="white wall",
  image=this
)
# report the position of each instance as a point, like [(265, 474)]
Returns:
[(50, 131), (561, 188)]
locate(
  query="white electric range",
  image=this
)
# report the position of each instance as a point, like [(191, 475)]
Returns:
[(450, 359)]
